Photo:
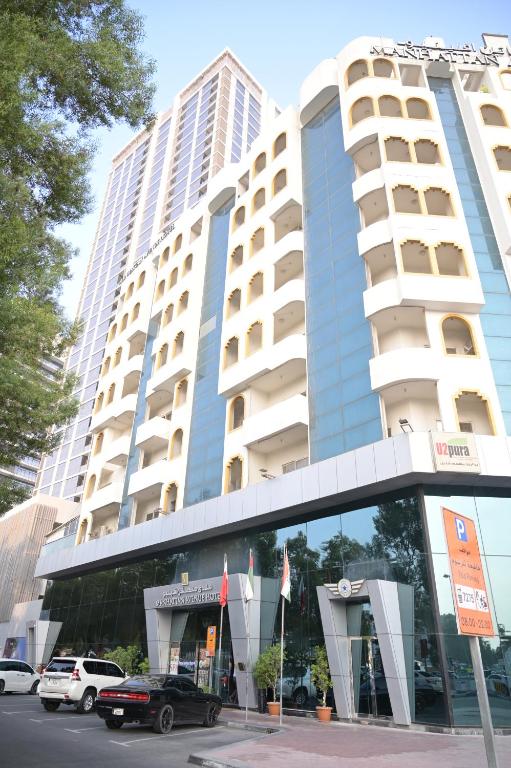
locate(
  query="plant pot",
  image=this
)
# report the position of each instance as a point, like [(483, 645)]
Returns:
[(274, 708), (324, 714)]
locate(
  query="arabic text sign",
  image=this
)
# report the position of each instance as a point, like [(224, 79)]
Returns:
[(467, 576)]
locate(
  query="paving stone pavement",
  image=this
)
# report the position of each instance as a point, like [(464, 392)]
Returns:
[(304, 742)]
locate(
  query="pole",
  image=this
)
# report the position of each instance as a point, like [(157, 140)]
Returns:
[(247, 665), (281, 658), (484, 704), (220, 648)]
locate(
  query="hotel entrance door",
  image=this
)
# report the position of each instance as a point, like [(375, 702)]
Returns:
[(368, 683)]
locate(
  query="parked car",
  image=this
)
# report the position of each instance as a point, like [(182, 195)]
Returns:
[(297, 685), (159, 701), (76, 681), (498, 684), (17, 676)]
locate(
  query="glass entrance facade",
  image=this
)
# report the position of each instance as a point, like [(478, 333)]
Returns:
[(387, 539)]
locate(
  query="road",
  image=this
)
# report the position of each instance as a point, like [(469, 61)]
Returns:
[(30, 737)]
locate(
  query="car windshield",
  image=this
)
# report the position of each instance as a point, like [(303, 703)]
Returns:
[(145, 681), (61, 665)]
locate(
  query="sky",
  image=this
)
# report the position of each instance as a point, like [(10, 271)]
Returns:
[(280, 42)]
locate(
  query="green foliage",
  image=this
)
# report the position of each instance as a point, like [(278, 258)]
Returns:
[(267, 668), (320, 671), (128, 659), (65, 68)]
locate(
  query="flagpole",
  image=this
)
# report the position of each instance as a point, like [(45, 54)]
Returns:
[(220, 648), (248, 660), (281, 657)]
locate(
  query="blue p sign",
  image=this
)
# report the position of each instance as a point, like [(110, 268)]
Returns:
[(461, 531)]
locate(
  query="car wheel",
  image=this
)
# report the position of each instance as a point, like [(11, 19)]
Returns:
[(35, 686), (211, 717), (86, 703), (165, 720), (300, 697), (2, 686), (49, 705), (114, 725)]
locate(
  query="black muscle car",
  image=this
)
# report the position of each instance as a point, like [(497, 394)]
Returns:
[(157, 700)]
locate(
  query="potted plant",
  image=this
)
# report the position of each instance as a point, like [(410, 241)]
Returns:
[(320, 675), (267, 674)]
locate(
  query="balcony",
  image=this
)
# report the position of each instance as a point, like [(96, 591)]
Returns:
[(104, 500), (164, 379), (117, 451), (281, 425), (146, 480), (404, 364), (374, 235), (434, 292), (117, 415), (154, 434), (292, 291)]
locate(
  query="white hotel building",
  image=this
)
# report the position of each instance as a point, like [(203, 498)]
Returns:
[(287, 362)]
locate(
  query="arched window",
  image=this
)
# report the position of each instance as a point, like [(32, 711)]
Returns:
[(280, 181), (236, 259), (450, 260), (106, 366), (438, 202), (237, 412), (406, 199), (362, 109), (111, 393), (124, 323), (418, 109), (239, 217), (383, 68), (188, 263), (397, 150), (256, 286), (170, 498), (168, 315), (135, 313), (113, 331), (91, 483), (173, 278), (492, 115), (129, 292), (234, 302), (389, 106), (162, 355), (141, 280), (260, 163), (183, 302), (178, 343), (160, 290), (181, 393), (503, 158), (98, 443), (99, 402), (416, 257), (231, 352), (259, 199), (356, 71), (458, 338), (234, 474), (178, 243), (505, 78), (254, 338), (164, 257), (426, 151), (117, 357), (279, 144), (257, 242), (176, 444), (473, 413)]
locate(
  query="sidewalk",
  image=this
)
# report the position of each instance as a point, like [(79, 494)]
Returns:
[(305, 743)]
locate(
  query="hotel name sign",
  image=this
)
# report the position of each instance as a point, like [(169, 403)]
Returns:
[(182, 596), (464, 54)]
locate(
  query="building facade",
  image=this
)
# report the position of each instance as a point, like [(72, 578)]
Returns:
[(159, 174), (319, 353)]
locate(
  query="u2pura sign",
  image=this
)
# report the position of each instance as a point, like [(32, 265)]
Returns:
[(455, 452), (183, 596), (465, 54)]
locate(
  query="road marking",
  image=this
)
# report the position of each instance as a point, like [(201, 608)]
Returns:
[(45, 720), (80, 730), (151, 738), (21, 712)]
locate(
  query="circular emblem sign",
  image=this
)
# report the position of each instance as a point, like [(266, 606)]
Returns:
[(344, 587)]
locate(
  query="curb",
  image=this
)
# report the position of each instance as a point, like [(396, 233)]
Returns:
[(211, 762)]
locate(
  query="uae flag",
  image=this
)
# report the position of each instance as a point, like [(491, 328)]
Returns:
[(249, 589), (286, 580), (224, 590)]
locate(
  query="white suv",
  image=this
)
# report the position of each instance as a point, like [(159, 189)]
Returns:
[(77, 681), (17, 676)]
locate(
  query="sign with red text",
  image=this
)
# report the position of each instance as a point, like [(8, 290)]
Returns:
[(467, 576), (455, 452)]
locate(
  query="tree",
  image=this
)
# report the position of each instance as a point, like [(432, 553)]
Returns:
[(66, 68), (130, 659)]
